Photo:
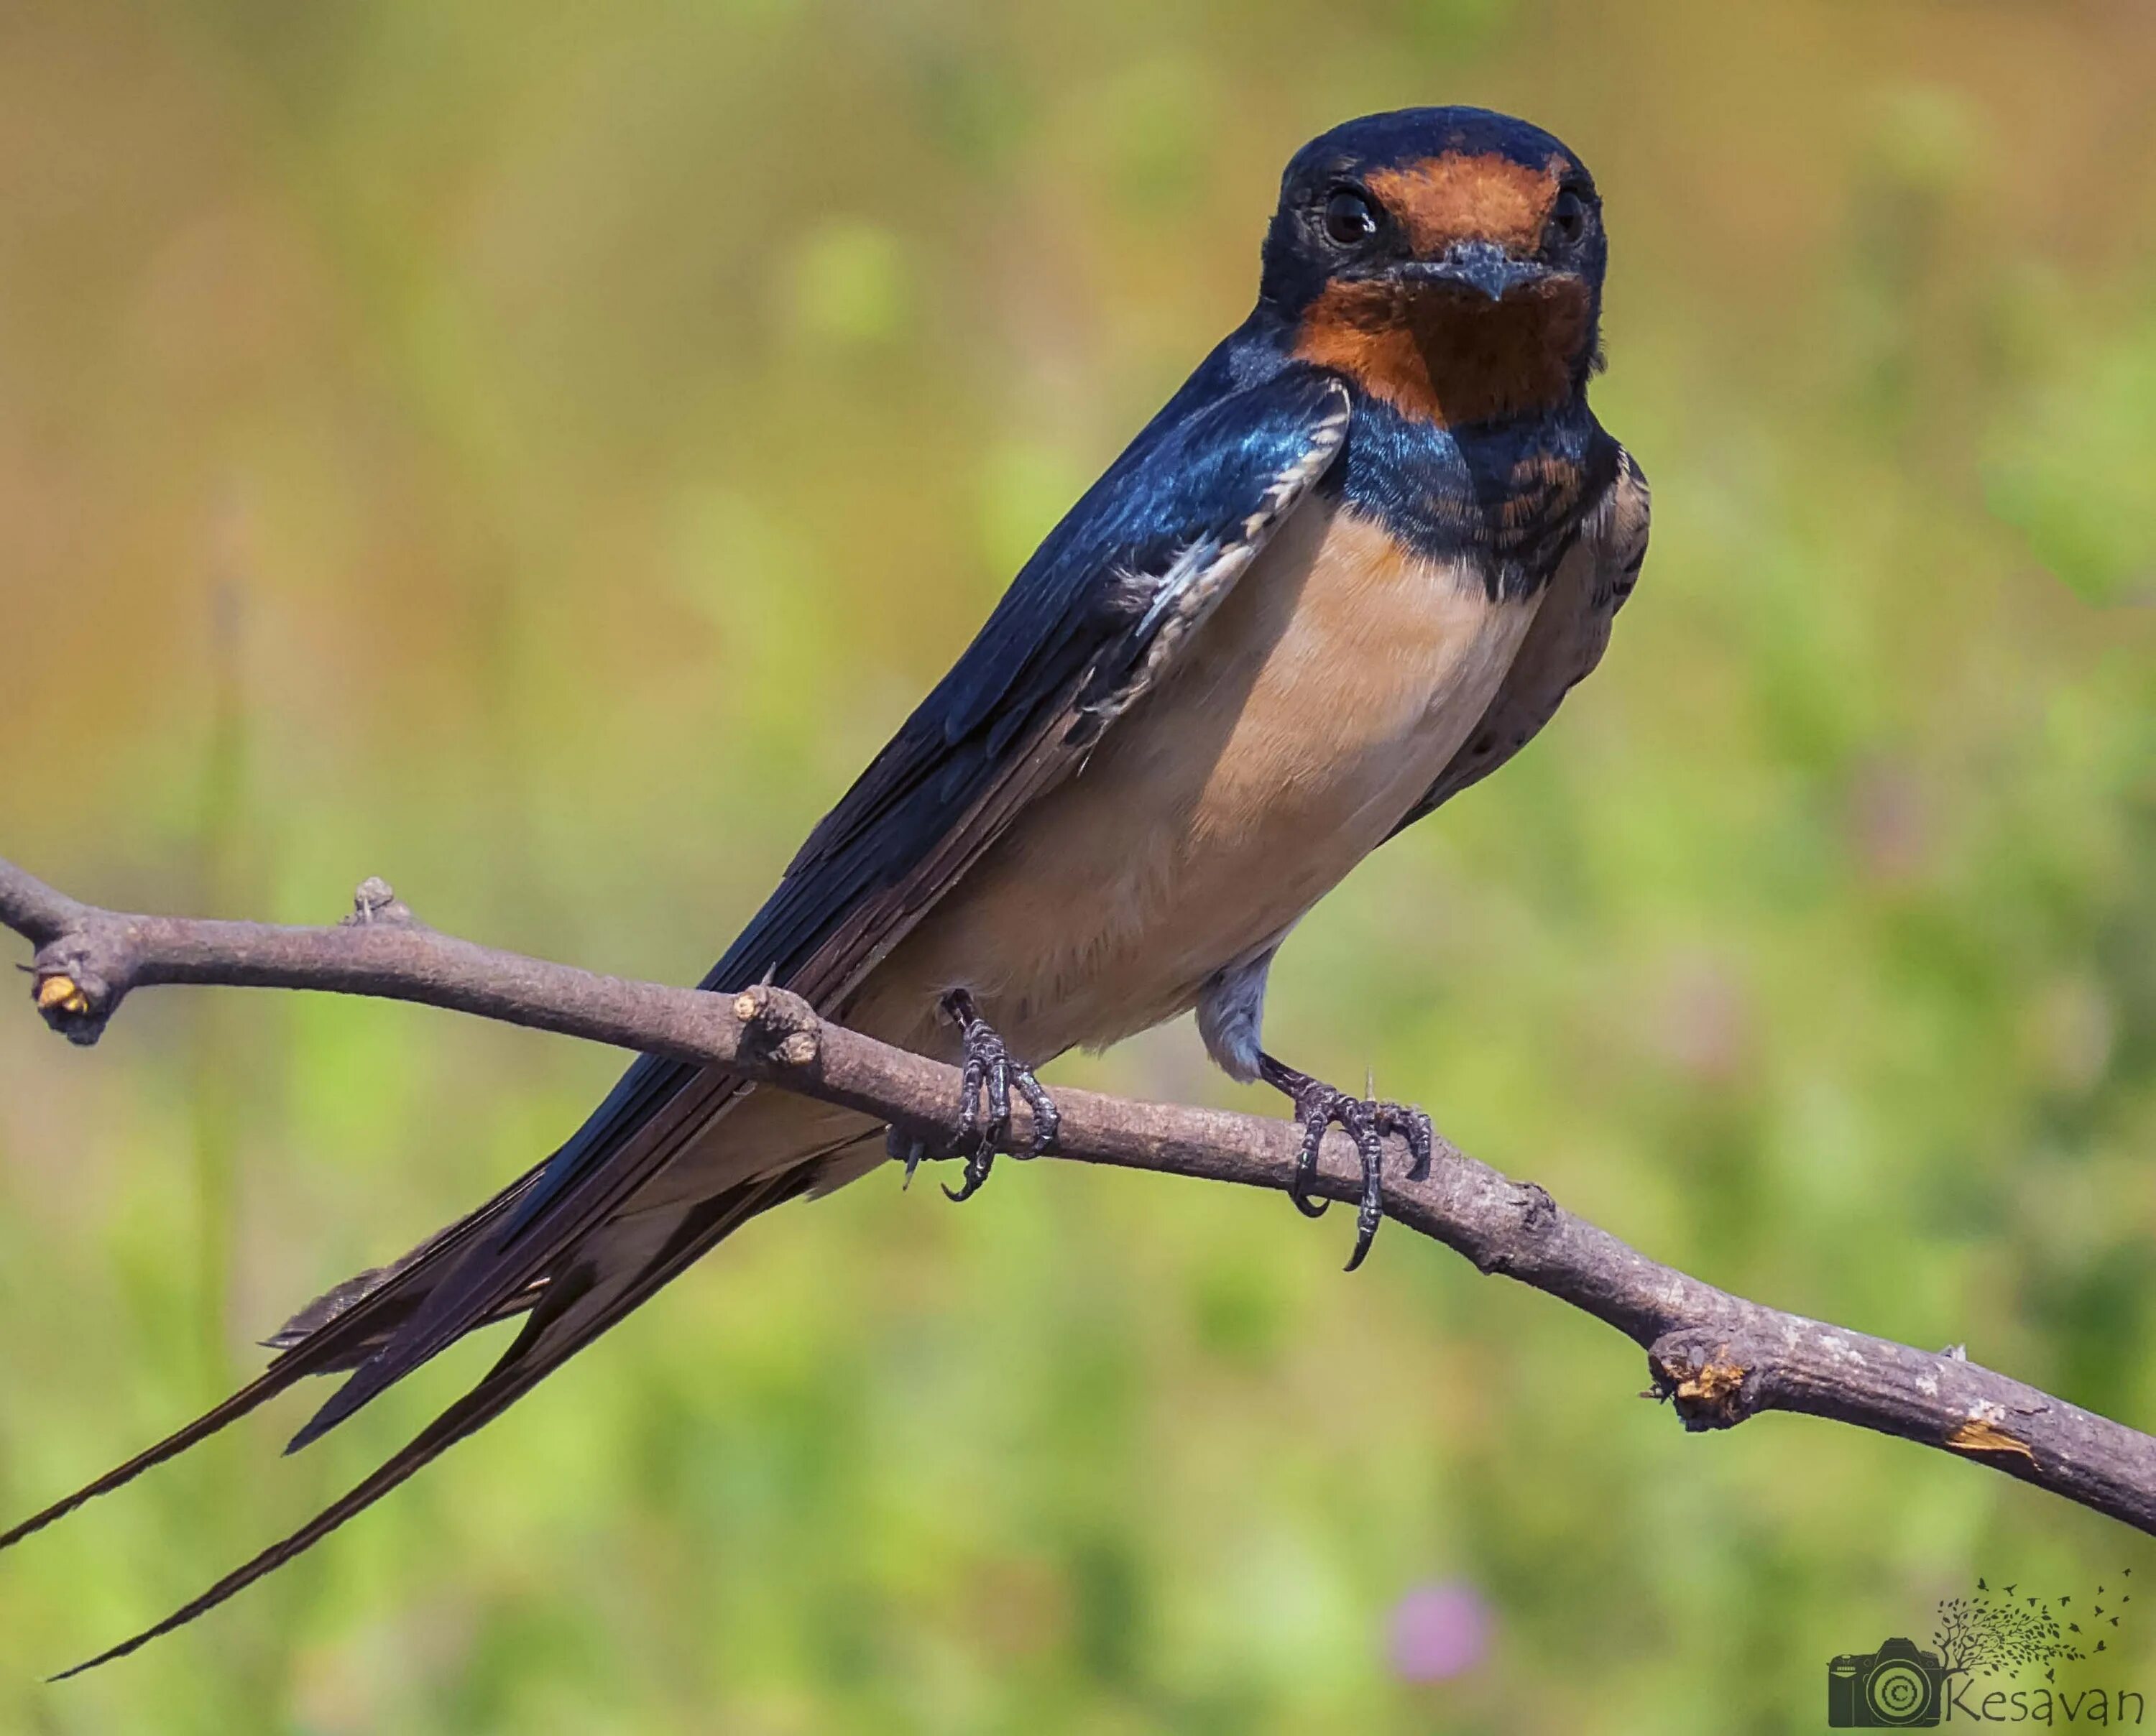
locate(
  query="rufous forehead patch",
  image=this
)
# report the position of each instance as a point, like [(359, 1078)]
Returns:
[(1441, 200)]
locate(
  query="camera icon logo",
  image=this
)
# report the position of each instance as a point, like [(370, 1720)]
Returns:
[(1897, 1687)]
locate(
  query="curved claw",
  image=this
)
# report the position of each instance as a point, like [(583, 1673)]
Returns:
[(986, 1080), (1318, 1106), (906, 1148), (1306, 1167), (1414, 1127), (1371, 1212), (977, 1176)]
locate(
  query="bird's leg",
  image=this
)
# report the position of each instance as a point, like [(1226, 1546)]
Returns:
[(988, 1074), (1365, 1121)]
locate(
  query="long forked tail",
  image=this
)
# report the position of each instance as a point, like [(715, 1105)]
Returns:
[(331, 1333), (350, 1326), (575, 1308)]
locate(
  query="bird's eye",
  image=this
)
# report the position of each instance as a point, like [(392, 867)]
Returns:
[(1568, 220), (1350, 218)]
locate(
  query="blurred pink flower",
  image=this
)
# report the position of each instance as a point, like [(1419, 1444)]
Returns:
[(1439, 1631)]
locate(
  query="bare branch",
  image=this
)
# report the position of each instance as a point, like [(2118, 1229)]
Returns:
[(1718, 1358)]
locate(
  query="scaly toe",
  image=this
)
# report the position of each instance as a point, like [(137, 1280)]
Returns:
[(987, 1075), (1413, 1126), (1367, 1122)]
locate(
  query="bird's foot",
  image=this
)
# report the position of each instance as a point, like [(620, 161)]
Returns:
[(1365, 1120), (988, 1073)]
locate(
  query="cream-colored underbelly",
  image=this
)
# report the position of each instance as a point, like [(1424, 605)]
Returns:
[(1314, 707), (1312, 711)]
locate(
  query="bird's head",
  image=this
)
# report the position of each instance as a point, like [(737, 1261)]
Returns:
[(1449, 261)]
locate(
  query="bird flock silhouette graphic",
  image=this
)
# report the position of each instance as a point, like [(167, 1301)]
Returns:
[(2002, 1631)]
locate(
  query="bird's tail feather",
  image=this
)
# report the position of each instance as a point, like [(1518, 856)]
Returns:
[(613, 1154), (385, 1307), (334, 1332), (574, 1310)]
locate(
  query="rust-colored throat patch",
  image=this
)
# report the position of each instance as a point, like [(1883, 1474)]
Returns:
[(1444, 355)]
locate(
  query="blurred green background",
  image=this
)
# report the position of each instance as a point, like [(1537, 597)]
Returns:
[(535, 452)]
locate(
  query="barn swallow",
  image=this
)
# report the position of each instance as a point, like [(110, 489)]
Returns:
[(1350, 568)]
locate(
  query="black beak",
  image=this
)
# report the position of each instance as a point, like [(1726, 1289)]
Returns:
[(1481, 266)]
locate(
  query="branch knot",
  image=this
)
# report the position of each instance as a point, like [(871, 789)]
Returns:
[(779, 1026), (1713, 1384), (75, 997), (375, 905)]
